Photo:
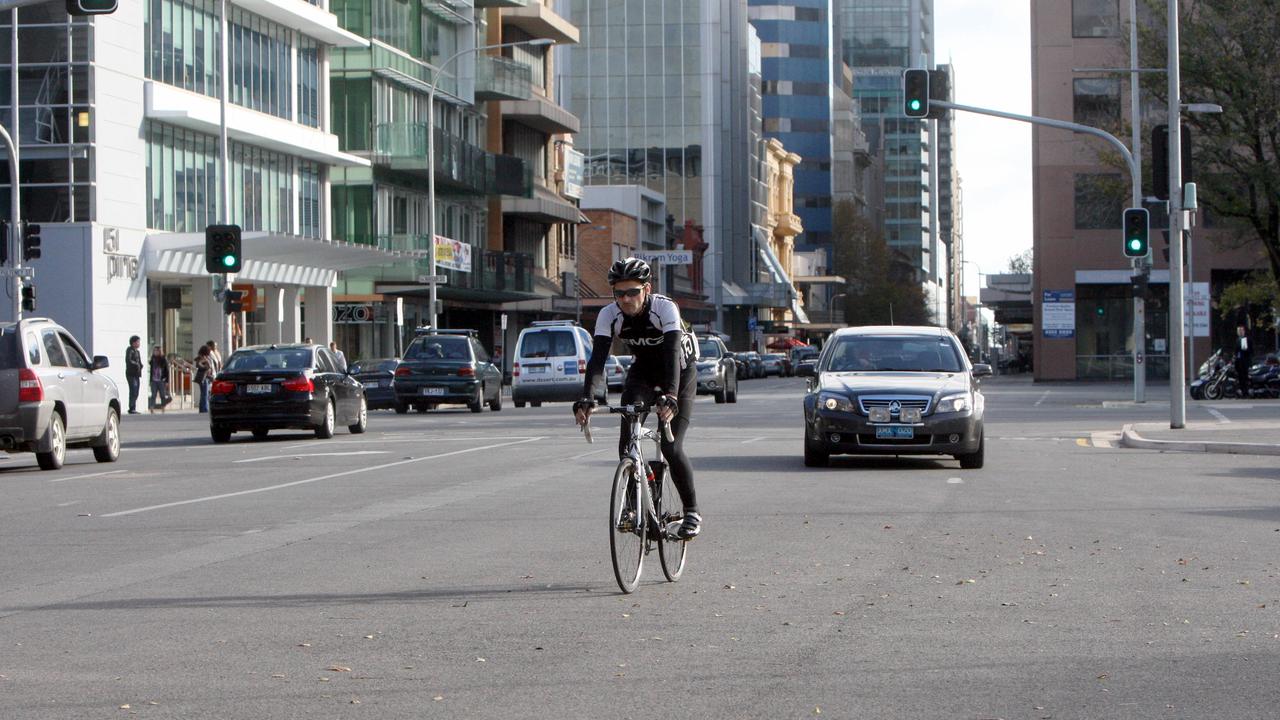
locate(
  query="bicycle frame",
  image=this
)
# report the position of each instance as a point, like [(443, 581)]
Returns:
[(634, 415)]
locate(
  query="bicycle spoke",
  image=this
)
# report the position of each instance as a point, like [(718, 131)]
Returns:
[(627, 524)]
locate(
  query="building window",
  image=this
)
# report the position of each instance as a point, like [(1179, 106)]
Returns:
[(309, 82), (809, 14), (807, 51), (1097, 102), (1099, 201), (309, 206), (1095, 18)]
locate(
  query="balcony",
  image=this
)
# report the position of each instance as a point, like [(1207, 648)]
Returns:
[(540, 114), (542, 206), (459, 165), (392, 64), (491, 272), (499, 78), (540, 21)]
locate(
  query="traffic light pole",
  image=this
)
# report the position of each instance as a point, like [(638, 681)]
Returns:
[(11, 144), (1141, 266), (1177, 372)]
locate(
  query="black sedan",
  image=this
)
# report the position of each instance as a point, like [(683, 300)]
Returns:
[(276, 387), (445, 367), (378, 377), (894, 391)]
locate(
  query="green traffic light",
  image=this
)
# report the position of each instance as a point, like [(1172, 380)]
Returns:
[(915, 104), (229, 260), (1135, 244)]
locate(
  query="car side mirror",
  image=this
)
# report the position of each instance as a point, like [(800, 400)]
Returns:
[(807, 369), (981, 370), (100, 362)]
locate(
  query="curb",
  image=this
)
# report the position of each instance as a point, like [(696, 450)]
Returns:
[(1131, 439)]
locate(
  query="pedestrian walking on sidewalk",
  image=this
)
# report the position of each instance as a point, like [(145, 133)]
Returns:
[(204, 375), (1243, 360), (215, 358), (160, 396), (133, 372)]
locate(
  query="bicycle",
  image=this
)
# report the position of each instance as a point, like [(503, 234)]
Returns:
[(643, 513)]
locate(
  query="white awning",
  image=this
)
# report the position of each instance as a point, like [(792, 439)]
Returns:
[(270, 258)]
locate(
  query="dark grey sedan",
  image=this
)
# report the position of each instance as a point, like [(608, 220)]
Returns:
[(894, 391)]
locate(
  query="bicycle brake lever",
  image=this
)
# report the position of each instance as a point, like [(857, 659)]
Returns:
[(586, 430), (666, 432)]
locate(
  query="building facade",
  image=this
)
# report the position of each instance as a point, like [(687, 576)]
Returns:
[(950, 237), (119, 132), (1083, 307)]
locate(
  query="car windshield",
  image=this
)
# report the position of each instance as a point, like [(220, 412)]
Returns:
[(270, 359), (708, 349), (548, 343), (864, 353), (436, 347)]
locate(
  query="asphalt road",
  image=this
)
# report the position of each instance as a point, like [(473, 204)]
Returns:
[(456, 565)]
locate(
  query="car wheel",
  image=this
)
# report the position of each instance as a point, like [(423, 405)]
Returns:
[(220, 434), (422, 409), (815, 453), (402, 408), (496, 405), (324, 430), (722, 395), (109, 449), (732, 395), (261, 433), (362, 418), (536, 404), (57, 434), (518, 403), (477, 403), (973, 461)]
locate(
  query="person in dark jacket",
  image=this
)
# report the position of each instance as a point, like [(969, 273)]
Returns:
[(133, 372), (160, 396), (1243, 360)]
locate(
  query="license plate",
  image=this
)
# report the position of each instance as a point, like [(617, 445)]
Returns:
[(536, 369), (895, 433), (258, 389), (433, 391)]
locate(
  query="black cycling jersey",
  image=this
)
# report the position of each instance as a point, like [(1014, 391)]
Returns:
[(655, 336)]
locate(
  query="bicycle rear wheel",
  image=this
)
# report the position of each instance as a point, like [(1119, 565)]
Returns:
[(627, 526), (671, 550)]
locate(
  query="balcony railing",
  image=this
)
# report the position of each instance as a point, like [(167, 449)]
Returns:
[(499, 78), (459, 164), (490, 271)]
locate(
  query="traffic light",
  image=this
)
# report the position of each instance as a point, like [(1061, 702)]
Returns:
[(28, 297), (1160, 159), (91, 7), (30, 241), (222, 249), (915, 93), (1137, 242), (232, 301)]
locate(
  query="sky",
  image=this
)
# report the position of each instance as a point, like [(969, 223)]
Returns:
[(989, 42)]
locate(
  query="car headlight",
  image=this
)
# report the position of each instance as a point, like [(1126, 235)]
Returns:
[(834, 402), (955, 403)]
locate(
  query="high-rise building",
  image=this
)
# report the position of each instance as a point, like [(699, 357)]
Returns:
[(661, 89), (118, 123)]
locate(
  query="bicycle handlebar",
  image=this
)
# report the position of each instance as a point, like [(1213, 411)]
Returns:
[(631, 410)]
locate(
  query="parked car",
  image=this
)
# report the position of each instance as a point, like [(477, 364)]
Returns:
[(755, 364), (550, 361), (774, 364), (447, 367), (290, 386), (894, 390), (378, 377), (801, 353), (614, 373), (717, 370), (52, 397), (625, 361)]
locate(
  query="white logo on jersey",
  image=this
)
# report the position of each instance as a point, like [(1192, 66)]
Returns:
[(643, 341)]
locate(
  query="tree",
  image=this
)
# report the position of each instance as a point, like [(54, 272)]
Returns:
[(881, 286), (1020, 263)]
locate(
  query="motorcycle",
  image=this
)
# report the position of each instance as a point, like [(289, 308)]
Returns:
[(1210, 370)]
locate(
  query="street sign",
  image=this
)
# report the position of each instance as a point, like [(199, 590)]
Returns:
[(665, 257), (24, 272), (437, 279)]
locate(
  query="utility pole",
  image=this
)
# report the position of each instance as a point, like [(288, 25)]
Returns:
[(1177, 372), (228, 320), (1142, 265), (13, 141)]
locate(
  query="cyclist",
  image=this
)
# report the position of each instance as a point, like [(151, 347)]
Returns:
[(664, 373)]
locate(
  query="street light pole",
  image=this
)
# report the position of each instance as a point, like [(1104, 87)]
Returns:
[(1141, 266), (1177, 373), (431, 155)]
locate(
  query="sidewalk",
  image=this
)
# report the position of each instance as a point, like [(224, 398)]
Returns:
[(1255, 437)]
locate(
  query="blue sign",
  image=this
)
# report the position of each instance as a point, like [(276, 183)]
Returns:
[(570, 367), (752, 324), (1058, 314)]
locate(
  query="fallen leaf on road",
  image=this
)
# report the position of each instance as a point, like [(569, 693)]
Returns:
[(355, 701), (480, 659), (368, 637), (304, 644), (438, 698), (124, 707), (339, 668)]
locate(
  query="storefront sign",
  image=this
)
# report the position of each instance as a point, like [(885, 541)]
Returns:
[(665, 257), (119, 265), (356, 313), (1196, 317), (453, 254), (573, 162), (1058, 314)]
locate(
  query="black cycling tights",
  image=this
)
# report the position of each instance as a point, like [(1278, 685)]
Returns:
[(639, 388)]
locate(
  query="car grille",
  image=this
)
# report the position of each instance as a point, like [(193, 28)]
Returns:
[(921, 402), (918, 440)]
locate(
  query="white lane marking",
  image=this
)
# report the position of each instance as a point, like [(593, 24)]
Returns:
[(588, 454), (373, 441), (1042, 397), (1221, 418), (68, 504), (755, 439), (306, 455), (281, 486), (955, 481), (90, 475)]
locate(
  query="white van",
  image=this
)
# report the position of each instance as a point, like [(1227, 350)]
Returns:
[(550, 363)]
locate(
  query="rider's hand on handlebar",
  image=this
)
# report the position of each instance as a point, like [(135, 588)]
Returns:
[(582, 411), (666, 408)]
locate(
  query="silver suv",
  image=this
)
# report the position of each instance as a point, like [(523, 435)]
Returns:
[(51, 397)]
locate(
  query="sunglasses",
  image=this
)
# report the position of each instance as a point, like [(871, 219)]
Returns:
[(630, 293)]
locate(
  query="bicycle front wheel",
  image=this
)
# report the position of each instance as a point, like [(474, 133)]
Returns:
[(671, 549), (627, 525)]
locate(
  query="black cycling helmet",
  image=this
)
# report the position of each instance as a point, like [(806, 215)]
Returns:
[(629, 269)]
